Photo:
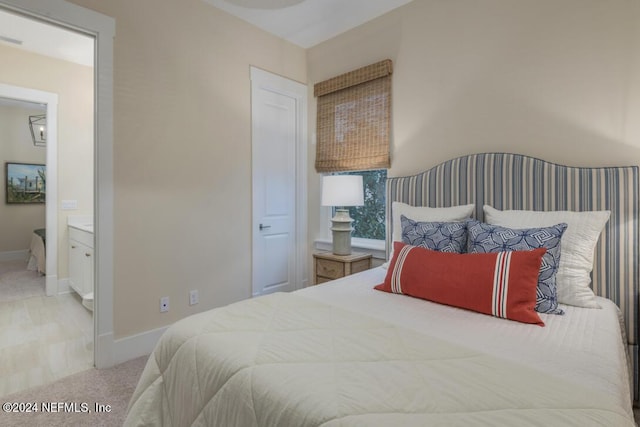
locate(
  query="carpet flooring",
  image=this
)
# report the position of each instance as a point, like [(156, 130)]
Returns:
[(70, 397)]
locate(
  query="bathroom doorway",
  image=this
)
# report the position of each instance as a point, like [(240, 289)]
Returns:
[(69, 165)]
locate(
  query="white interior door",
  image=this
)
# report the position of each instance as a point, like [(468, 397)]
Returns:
[(277, 106)]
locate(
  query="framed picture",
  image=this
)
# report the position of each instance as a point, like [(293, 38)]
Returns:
[(26, 183)]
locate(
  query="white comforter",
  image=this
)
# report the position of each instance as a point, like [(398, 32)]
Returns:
[(291, 360)]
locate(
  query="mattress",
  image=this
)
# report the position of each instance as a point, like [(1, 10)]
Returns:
[(585, 346), (343, 354)]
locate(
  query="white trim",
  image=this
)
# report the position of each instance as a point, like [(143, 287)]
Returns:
[(21, 255), (51, 245), (69, 15), (302, 190), (103, 202), (51, 206), (299, 92), (63, 286), (133, 346)]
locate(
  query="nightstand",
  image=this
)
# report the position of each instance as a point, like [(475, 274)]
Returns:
[(327, 266)]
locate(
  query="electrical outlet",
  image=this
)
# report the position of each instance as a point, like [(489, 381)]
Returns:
[(193, 297), (164, 304)]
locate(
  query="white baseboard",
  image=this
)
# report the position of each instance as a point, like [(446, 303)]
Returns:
[(104, 360), (51, 284), (124, 349), (63, 286), (21, 255)]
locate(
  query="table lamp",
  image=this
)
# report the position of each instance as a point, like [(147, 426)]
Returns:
[(342, 191)]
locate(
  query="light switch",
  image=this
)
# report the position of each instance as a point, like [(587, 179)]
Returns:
[(68, 205)]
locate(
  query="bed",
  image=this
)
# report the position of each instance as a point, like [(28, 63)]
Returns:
[(344, 354)]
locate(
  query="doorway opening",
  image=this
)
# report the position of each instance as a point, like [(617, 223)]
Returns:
[(102, 29), (32, 58)]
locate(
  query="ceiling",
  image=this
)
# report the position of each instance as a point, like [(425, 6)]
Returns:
[(307, 23), (302, 22), (45, 39)]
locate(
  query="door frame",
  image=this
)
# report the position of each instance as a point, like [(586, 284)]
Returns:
[(102, 29), (51, 205), (298, 91)]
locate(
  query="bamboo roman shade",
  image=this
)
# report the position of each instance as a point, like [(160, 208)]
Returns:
[(354, 113)]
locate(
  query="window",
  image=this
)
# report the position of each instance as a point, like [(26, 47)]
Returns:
[(353, 125), (369, 220)]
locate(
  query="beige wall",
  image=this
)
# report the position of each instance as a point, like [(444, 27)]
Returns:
[(182, 154), (18, 221), (74, 85), (558, 80)]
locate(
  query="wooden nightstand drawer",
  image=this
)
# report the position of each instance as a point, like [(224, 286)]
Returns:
[(328, 266), (329, 269), (320, 279), (361, 265)]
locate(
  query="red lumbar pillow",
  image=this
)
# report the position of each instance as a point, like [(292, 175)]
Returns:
[(502, 284)]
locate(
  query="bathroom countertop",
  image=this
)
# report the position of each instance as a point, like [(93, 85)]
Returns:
[(84, 227), (81, 222)]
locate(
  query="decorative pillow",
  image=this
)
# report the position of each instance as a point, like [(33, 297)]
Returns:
[(437, 236), (424, 213), (577, 245), (487, 238), (502, 284)]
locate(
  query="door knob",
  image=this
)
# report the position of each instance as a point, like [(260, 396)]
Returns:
[(264, 227)]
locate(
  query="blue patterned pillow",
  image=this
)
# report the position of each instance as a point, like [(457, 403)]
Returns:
[(487, 238), (437, 236)]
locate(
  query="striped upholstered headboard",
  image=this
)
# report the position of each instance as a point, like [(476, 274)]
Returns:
[(512, 181)]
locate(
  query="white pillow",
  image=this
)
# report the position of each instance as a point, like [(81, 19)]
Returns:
[(424, 214), (576, 246)]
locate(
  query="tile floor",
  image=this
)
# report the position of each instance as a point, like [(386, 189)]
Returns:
[(43, 339)]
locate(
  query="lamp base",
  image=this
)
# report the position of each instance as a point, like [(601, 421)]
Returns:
[(341, 230)]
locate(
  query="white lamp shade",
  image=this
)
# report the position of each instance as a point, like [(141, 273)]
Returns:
[(342, 190)]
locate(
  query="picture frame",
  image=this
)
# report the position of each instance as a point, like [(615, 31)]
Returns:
[(25, 183)]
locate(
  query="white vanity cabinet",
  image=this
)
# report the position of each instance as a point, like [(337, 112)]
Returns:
[(80, 261)]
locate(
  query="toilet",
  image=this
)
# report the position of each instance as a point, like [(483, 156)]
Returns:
[(87, 301)]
